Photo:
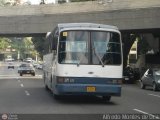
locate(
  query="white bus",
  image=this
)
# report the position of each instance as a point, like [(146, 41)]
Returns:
[(84, 59)]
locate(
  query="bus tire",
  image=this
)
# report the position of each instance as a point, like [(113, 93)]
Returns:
[(46, 87), (57, 97), (21, 74), (106, 98)]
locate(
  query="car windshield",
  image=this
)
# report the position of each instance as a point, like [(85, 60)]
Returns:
[(25, 65), (157, 74)]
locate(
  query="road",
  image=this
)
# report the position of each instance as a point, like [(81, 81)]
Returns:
[(27, 95)]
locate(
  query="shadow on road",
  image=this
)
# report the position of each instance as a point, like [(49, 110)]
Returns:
[(84, 100)]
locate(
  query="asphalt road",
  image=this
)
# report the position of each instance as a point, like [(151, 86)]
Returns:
[(27, 95)]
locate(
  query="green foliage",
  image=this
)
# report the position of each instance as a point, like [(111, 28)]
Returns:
[(80, 0), (24, 46), (39, 44), (2, 3), (4, 43)]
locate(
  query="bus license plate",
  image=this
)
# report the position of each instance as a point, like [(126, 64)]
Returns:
[(91, 89)]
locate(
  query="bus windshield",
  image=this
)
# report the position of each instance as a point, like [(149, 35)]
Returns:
[(89, 47)]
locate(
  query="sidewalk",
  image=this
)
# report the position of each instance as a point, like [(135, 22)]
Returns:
[(1, 63)]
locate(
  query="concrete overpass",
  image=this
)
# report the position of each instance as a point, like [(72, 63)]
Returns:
[(128, 15)]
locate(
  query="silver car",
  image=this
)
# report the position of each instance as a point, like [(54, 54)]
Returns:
[(151, 78), (26, 68)]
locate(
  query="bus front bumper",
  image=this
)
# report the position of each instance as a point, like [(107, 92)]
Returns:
[(88, 89)]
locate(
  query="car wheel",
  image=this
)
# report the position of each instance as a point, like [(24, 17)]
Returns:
[(142, 85), (33, 74), (154, 87), (106, 98)]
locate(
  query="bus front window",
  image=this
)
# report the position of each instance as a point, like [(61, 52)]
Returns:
[(73, 47), (107, 47)]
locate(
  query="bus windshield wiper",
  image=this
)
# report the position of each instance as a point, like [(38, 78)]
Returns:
[(78, 63), (95, 52)]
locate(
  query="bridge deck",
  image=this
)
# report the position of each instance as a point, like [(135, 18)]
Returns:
[(92, 6)]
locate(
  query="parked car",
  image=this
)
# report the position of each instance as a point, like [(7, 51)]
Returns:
[(136, 73), (39, 66), (128, 75), (10, 65), (151, 78), (26, 68)]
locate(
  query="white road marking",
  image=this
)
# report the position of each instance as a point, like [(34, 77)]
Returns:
[(154, 95), (23, 77), (27, 93), (13, 75), (153, 116), (22, 85)]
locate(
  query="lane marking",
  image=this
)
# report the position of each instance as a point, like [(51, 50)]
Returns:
[(154, 95), (27, 93), (22, 85), (28, 77), (153, 116)]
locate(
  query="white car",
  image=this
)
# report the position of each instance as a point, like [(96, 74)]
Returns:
[(39, 66), (10, 65)]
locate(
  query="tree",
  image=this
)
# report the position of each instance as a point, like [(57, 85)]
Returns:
[(4, 43), (2, 3), (80, 0), (39, 44)]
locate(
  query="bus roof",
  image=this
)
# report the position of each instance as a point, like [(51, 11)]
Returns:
[(87, 25)]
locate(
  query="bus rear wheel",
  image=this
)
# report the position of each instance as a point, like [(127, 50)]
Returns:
[(106, 98)]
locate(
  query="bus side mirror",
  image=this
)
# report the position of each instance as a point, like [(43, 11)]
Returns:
[(54, 44)]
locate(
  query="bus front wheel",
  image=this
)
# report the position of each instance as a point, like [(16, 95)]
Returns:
[(57, 97)]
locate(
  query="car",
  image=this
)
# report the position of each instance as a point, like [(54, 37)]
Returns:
[(39, 66), (26, 68), (34, 63), (151, 78), (28, 60), (128, 75), (19, 68), (10, 65)]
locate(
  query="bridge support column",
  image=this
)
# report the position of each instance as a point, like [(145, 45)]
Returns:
[(128, 40)]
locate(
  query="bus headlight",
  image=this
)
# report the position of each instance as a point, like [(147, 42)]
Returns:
[(60, 80), (159, 81)]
